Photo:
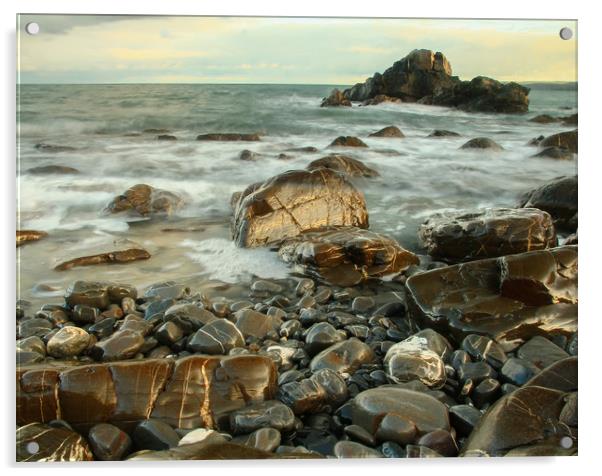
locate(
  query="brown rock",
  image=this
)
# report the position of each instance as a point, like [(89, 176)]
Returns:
[(52, 444), (568, 140), (346, 256), (472, 298), (145, 200), (188, 393), (343, 164), (336, 98), (344, 357), (347, 141), (482, 143), (494, 232), (443, 133), (166, 137), (544, 119), (119, 256), (295, 201), (379, 99), (389, 131), (25, 236), (122, 345), (229, 137), (52, 170), (559, 198)]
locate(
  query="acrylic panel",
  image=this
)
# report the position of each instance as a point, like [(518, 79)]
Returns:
[(263, 238)]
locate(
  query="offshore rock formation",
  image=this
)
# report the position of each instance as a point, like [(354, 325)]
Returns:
[(346, 256), (508, 299), (293, 202), (145, 200), (488, 234), (426, 77), (190, 392)]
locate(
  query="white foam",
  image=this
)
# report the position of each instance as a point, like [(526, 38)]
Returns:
[(224, 261)]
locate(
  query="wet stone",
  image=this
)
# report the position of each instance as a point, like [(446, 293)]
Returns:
[(486, 392), (540, 352), (32, 344), (155, 435), (272, 414), (440, 441), (265, 439), (323, 390), (464, 418), (137, 324), (561, 375), (418, 451), (201, 435), (396, 428), (108, 442), (351, 449), (321, 336), (359, 434), (568, 415), (168, 333), (516, 371), (123, 344), (217, 337), (68, 342), (34, 327), (25, 357), (256, 324), (346, 356), (85, 314), (102, 329), (391, 449), (411, 359), (54, 444), (158, 308), (475, 371), (482, 348), (482, 143), (188, 317), (290, 328)]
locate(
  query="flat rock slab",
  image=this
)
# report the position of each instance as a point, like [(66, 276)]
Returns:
[(293, 202), (188, 393), (346, 256), (508, 299), (491, 233)]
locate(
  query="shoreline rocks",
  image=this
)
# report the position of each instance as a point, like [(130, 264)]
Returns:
[(343, 164), (145, 200), (229, 137), (113, 257), (27, 236), (559, 198)]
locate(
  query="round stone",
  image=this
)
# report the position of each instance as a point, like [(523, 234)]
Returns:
[(68, 342)]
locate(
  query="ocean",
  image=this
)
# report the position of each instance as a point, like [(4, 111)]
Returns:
[(105, 124)]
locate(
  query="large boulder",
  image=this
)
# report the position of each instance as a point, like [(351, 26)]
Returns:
[(296, 201), (188, 393), (343, 164), (527, 416), (426, 77), (567, 140), (336, 98), (52, 443), (346, 256), (145, 200), (487, 234), (559, 198), (509, 299)]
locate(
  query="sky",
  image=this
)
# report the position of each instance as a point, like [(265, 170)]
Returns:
[(341, 51)]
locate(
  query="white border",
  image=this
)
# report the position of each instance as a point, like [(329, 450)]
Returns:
[(590, 233)]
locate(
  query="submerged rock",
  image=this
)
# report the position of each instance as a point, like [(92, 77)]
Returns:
[(559, 198), (509, 299), (389, 131), (26, 236), (52, 170), (567, 140), (486, 234), (336, 98), (43, 443), (482, 143), (346, 256), (295, 201), (145, 200), (443, 133), (347, 141), (343, 164), (188, 393), (559, 153), (229, 137), (113, 257)]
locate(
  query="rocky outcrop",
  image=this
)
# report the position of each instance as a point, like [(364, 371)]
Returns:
[(379, 99), (293, 202), (113, 257), (346, 256), (145, 200), (559, 198), (426, 77), (229, 137), (509, 299), (190, 392), (494, 232), (343, 164), (565, 140), (336, 98)]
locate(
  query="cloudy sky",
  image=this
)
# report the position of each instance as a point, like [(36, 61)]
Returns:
[(124, 49)]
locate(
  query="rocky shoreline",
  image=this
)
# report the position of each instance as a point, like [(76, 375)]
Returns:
[(467, 347)]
